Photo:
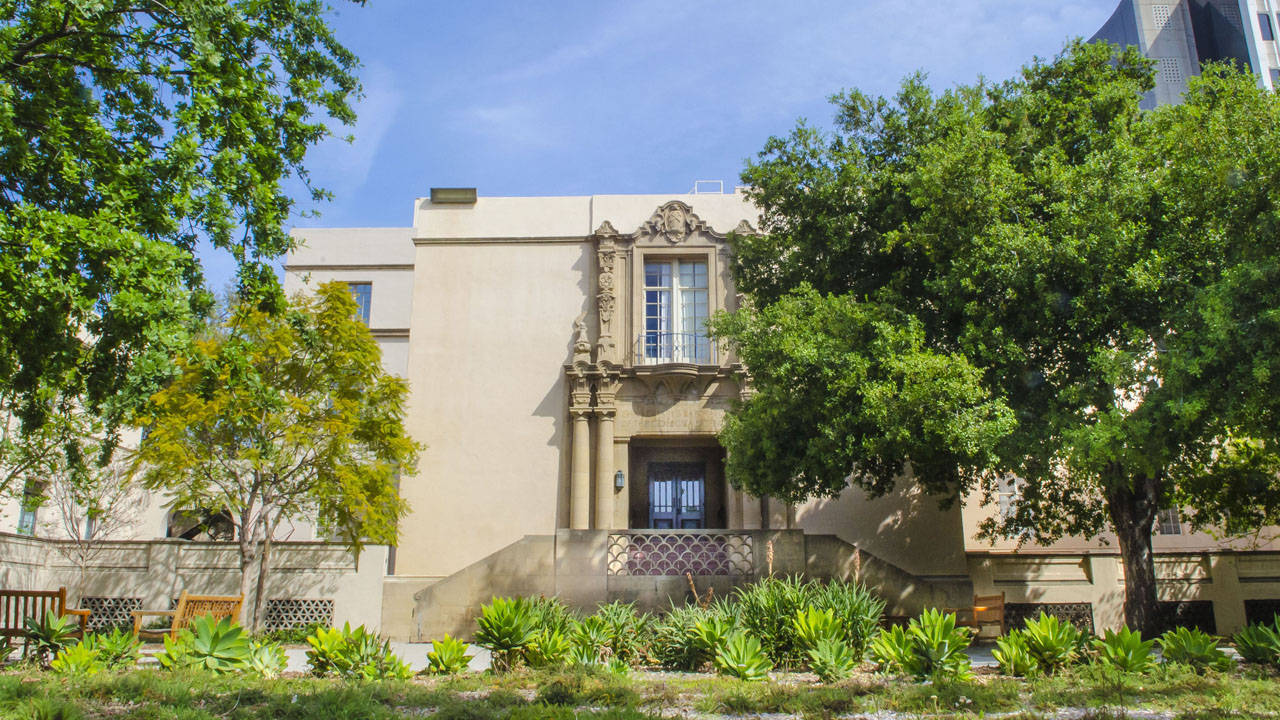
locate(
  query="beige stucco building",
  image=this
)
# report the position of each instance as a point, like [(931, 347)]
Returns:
[(570, 401)]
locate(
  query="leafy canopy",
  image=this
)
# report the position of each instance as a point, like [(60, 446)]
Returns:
[(129, 129), (1031, 279)]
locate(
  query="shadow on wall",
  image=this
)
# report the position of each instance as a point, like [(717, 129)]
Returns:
[(905, 527), (555, 404)]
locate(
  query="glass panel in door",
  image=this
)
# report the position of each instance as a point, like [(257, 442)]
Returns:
[(677, 495)]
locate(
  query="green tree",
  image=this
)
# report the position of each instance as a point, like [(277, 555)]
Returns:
[(1033, 280), (280, 416), (129, 129)]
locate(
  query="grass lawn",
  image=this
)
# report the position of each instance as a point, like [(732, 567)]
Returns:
[(595, 694)]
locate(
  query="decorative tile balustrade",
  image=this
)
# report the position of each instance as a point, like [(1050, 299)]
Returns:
[(680, 552)]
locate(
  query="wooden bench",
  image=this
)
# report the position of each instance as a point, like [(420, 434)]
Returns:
[(17, 606), (189, 606), (987, 610)]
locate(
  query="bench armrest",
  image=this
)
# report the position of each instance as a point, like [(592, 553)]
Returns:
[(139, 614)]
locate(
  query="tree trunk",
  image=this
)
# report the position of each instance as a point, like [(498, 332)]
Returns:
[(1132, 508), (249, 550), (259, 593)]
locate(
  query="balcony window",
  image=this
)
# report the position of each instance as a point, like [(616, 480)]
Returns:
[(362, 293), (675, 313)]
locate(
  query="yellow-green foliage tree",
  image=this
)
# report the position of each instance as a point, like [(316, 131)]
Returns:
[(278, 416)]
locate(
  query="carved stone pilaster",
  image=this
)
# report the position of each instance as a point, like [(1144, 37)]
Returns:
[(606, 290)]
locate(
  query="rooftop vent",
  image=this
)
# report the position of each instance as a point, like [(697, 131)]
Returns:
[(457, 196), (707, 187)]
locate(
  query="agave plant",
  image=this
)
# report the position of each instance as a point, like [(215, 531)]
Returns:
[(448, 656), (1125, 651), (80, 660), (741, 656), (1014, 656), (710, 634), (1195, 649), (831, 659), (506, 627), (354, 653), (50, 634), (812, 626), (118, 649), (892, 651), (591, 640), (1053, 643), (549, 648), (939, 646), (266, 659), (1259, 643), (218, 645)]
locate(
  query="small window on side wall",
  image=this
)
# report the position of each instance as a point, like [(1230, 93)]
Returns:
[(1168, 522), (362, 293), (1264, 27)]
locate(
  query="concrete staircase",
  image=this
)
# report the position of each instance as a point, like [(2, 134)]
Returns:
[(572, 564)]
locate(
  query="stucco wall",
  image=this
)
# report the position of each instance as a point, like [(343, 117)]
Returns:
[(905, 528), (493, 326), (159, 570)]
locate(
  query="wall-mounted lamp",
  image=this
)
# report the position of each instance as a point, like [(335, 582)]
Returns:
[(619, 480)]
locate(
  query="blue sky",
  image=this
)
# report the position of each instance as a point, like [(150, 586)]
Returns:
[(567, 98)]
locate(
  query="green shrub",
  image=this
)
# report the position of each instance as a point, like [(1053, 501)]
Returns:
[(812, 626), (549, 613), (354, 654), (832, 660), (79, 660), (118, 649), (177, 652), (674, 645), (930, 647), (549, 648), (507, 625), (1053, 643), (288, 636), (1195, 649), (448, 656), (1014, 656), (855, 607), (1125, 651), (741, 656), (765, 610), (1259, 643), (50, 634), (627, 632)]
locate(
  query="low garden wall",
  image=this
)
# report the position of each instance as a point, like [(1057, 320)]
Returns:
[(1216, 591), (309, 581)]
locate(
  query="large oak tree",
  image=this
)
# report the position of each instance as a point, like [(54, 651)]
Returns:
[(1033, 279), (130, 130)]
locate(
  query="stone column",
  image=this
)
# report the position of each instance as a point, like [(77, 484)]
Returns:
[(733, 504), (604, 469), (580, 480)]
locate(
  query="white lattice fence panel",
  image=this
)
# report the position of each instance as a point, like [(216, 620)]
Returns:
[(108, 612), (285, 613), (680, 553)]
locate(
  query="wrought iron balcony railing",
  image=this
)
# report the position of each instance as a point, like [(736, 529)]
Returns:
[(656, 348)]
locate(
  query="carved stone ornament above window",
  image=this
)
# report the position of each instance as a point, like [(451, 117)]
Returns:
[(673, 222)]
